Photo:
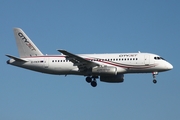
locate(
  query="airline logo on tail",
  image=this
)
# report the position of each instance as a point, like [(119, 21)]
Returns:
[(26, 41)]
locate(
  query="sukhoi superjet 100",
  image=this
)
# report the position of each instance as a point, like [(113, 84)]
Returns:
[(109, 68)]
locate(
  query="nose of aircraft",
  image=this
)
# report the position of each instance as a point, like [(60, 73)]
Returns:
[(169, 66)]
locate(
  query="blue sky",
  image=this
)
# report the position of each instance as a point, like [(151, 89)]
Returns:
[(95, 26)]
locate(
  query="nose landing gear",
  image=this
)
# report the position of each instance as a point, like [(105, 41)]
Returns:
[(154, 77), (154, 81)]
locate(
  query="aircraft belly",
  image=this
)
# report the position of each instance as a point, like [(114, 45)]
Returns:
[(62, 69), (147, 70)]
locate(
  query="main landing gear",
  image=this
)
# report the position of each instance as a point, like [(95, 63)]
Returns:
[(154, 77), (92, 80)]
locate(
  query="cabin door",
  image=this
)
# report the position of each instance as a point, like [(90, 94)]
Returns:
[(46, 62), (146, 59)]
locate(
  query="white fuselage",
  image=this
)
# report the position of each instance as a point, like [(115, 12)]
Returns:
[(124, 62), (108, 67)]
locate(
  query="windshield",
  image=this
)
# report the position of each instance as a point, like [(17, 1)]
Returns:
[(159, 58)]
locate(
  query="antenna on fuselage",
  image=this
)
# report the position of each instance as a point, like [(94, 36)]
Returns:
[(139, 51)]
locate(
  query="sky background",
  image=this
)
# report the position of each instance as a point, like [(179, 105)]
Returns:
[(94, 26)]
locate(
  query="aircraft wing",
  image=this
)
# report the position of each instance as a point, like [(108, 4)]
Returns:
[(82, 63)]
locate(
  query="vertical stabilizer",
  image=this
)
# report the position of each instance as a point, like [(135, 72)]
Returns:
[(25, 46)]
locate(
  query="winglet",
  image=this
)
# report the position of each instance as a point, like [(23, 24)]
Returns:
[(15, 58)]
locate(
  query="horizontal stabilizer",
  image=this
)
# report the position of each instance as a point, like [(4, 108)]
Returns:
[(17, 59)]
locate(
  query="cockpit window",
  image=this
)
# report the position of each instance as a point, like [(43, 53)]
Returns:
[(162, 58), (159, 58)]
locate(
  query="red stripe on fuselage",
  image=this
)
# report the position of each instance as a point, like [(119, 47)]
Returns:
[(106, 62)]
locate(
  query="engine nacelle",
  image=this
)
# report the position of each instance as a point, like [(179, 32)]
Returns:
[(106, 70), (112, 78)]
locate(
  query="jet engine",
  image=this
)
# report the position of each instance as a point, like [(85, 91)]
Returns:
[(112, 78), (106, 70)]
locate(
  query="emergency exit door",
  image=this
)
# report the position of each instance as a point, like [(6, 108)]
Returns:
[(46, 62)]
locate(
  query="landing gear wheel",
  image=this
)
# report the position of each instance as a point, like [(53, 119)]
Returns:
[(93, 83), (88, 79), (154, 77), (154, 81)]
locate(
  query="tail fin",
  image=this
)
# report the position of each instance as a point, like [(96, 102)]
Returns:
[(25, 46)]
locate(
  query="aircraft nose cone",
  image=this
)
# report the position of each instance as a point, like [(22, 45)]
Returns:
[(169, 66)]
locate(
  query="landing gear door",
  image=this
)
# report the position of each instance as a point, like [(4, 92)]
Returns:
[(46, 62), (146, 60)]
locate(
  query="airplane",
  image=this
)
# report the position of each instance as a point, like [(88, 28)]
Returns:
[(107, 67)]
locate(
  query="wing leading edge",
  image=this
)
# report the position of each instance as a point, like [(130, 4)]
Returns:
[(82, 63)]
